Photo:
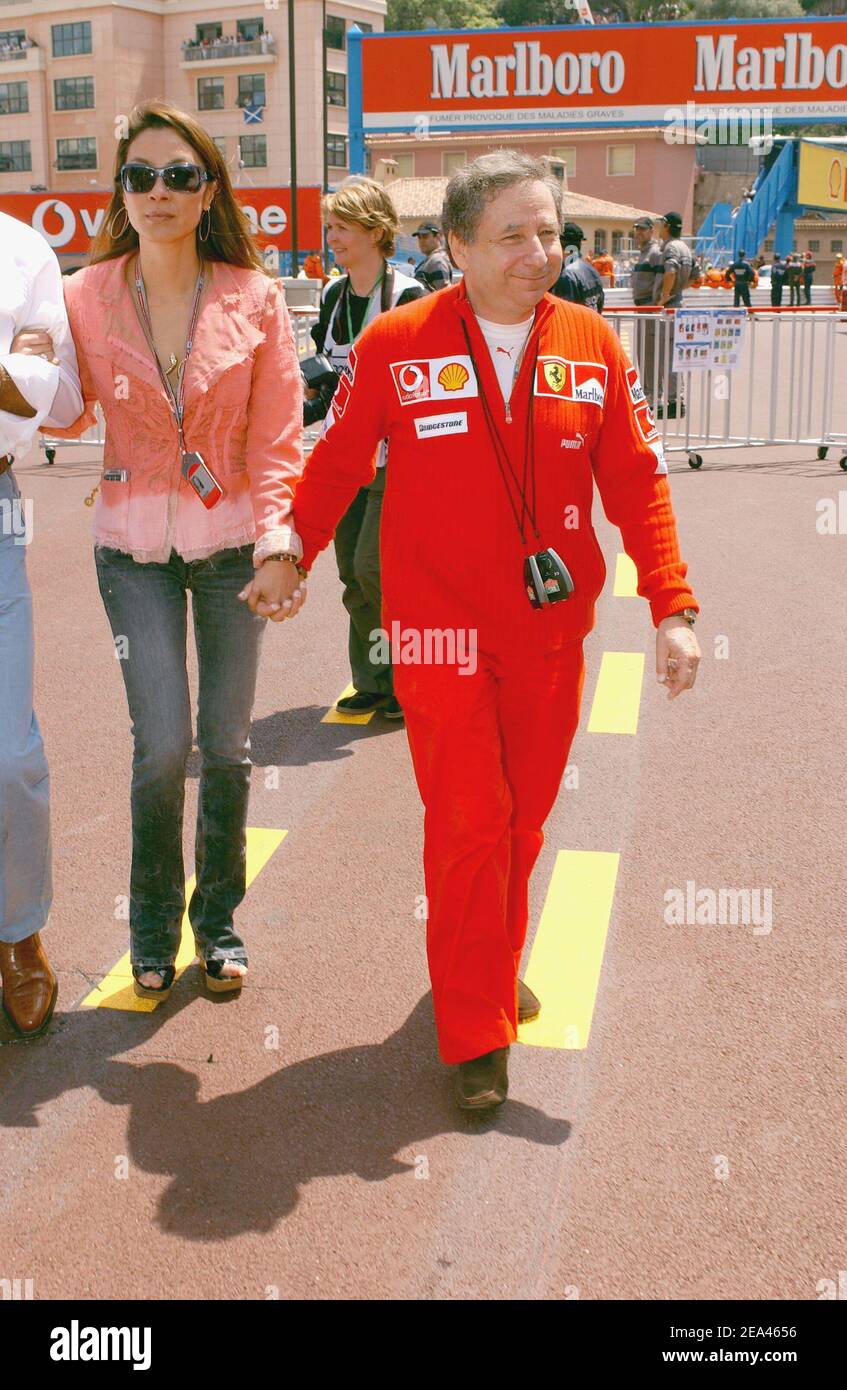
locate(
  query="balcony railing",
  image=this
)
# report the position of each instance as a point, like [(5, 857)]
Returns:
[(193, 52), (76, 161), (10, 51)]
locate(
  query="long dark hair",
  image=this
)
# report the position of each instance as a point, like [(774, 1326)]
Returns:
[(229, 237)]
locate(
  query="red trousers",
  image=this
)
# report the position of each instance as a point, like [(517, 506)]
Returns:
[(489, 751)]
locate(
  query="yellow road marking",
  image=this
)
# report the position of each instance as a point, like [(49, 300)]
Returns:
[(567, 954), (115, 990), (626, 578), (336, 716), (618, 694)]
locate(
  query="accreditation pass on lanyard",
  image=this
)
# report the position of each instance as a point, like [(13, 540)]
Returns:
[(193, 467)]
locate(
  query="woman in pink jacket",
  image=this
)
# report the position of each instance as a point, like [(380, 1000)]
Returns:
[(187, 344)]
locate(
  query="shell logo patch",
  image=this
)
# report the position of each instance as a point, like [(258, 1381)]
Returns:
[(433, 379), (571, 381), (453, 376)]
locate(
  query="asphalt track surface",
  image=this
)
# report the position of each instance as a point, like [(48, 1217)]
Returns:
[(302, 1141)]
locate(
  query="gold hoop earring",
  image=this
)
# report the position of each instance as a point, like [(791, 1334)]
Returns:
[(116, 236), (205, 213)]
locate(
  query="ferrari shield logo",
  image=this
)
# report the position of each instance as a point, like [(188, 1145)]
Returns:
[(555, 375)]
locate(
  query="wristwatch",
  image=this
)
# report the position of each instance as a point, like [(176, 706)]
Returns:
[(288, 555), (689, 615)]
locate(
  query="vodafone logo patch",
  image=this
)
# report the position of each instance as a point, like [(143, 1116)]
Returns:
[(434, 379), (411, 380)]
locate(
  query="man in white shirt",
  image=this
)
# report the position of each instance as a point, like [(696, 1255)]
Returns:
[(39, 384)]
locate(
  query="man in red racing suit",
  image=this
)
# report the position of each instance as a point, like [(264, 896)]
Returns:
[(483, 470)]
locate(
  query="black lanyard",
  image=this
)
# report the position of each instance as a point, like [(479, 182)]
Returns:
[(501, 453), (176, 398), (374, 288), (342, 306)]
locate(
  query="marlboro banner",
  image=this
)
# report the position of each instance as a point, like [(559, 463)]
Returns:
[(70, 221), (578, 75)]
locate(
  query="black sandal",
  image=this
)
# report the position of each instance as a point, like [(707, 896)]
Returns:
[(218, 983), (168, 974)]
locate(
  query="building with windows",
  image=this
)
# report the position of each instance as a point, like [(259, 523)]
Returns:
[(71, 70), (631, 167), (607, 225)]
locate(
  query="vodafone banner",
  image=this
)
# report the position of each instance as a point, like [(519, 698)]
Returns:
[(70, 221), (580, 75)]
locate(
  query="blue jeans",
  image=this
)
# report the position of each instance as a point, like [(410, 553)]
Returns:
[(146, 606), (26, 883)]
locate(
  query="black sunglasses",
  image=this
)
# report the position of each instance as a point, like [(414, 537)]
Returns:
[(179, 178)]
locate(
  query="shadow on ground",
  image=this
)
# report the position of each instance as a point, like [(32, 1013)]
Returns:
[(297, 738), (237, 1163)]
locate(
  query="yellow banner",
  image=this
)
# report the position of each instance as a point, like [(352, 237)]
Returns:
[(822, 176)]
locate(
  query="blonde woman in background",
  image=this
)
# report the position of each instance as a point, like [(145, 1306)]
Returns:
[(361, 230)]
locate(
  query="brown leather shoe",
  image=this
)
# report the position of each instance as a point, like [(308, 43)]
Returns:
[(484, 1081), (29, 986), (529, 1006)]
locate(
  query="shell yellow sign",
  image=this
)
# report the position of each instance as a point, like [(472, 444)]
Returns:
[(822, 176)]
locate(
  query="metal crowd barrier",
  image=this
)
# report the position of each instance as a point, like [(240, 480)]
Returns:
[(789, 382), (302, 319), (793, 363)]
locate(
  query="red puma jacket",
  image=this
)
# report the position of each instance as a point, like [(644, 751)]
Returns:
[(451, 551)]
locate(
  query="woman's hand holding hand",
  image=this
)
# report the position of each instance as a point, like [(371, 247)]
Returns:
[(277, 592)]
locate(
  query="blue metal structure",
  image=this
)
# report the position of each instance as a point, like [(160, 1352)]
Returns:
[(774, 201), (714, 239), (725, 231), (356, 129)]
